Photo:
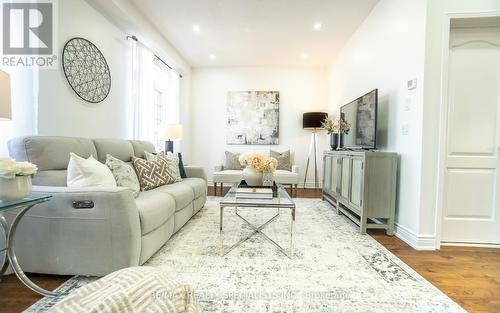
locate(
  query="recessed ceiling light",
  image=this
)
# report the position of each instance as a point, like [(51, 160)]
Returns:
[(196, 28), (211, 57), (303, 55), (317, 26)]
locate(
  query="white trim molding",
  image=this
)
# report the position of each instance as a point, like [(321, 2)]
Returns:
[(417, 242)]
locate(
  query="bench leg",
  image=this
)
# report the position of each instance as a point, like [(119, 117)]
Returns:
[(215, 189)]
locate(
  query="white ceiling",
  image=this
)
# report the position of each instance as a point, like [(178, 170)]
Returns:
[(257, 32)]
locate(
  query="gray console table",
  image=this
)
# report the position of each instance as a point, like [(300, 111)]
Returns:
[(362, 186)]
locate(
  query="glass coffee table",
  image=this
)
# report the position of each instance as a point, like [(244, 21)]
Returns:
[(281, 200), (24, 206)]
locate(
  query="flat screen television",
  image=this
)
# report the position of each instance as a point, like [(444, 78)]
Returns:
[(361, 114)]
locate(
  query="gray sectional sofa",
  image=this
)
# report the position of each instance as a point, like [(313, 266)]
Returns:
[(120, 231)]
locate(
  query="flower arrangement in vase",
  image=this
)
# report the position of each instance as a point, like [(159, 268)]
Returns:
[(259, 168), (336, 128), (15, 179)]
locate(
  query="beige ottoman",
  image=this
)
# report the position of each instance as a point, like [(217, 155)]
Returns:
[(134, 289)]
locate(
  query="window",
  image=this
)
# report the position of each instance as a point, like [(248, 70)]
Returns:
[(154, 97), (159, 109)]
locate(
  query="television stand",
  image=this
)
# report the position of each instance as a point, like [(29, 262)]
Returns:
[(361, 185)]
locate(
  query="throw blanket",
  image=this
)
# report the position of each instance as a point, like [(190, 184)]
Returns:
[(135, 289)]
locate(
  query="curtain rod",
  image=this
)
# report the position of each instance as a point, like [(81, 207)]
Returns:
[(134, 38)]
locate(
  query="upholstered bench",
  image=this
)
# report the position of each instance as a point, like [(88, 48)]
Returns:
[(134, 289), (233, 173)]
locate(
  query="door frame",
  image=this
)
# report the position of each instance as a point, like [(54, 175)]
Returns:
[(443, 119)]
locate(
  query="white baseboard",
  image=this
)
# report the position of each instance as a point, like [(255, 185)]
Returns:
[(468, 244), (417, 242), (309, 185)]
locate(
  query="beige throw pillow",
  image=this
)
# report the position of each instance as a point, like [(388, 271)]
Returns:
[(88, 173), (232, 161), (172, 161), (152, 174), (284, 160)]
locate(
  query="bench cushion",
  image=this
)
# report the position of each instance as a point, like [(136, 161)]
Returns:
[(228, 176)]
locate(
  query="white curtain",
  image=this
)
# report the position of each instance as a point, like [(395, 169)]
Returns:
[(148, 75), (142, 92)]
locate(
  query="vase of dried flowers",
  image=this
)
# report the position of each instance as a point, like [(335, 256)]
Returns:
[(15, 179), (336, 128), (258, 168)]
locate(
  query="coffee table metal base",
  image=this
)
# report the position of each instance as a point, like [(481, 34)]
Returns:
[(257, 230)]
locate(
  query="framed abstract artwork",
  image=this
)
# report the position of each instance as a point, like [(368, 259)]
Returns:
[(253, 117)]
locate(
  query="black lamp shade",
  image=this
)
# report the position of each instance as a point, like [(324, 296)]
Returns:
[(313, 120)]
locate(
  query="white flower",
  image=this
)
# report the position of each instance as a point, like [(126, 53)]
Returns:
[(9, 168), (26, 169)]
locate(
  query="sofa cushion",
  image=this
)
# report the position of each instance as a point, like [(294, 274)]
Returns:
[(50, 153), (119, 148), (286, 177), (182, 193), (198, 185), (89, 173), (155, 208), (228, 176), (140, 146)]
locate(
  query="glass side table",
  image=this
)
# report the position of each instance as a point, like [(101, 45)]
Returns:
[(10, 235)]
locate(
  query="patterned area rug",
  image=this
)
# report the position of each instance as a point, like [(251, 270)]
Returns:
[(335, 269)]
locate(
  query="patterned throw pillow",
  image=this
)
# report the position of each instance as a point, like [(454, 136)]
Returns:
[(152, 174), (232, 161), (172, 161), (124, 174), (284, 160)]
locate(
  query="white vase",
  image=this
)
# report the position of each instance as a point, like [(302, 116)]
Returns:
[(14, 189), (252, 177)]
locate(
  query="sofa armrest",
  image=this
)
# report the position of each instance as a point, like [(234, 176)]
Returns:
[(295, 169), (68, 241), (196, 171), (218, 168)]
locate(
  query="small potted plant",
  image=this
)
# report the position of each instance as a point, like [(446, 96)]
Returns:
[(336, 128), (15, 179), (259, 168)]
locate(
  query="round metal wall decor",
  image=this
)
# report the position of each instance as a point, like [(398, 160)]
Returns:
[(86, 70)]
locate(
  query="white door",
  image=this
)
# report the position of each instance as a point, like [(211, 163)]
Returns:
[(471, 211)]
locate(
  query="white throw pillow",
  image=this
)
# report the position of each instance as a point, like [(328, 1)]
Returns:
[(88, 173)]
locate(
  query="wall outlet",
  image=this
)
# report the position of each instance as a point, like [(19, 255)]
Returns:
[(405, 129)]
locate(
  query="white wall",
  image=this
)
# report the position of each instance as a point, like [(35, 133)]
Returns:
[(385, 52), (61, 111), (434, 66), (301, 90)]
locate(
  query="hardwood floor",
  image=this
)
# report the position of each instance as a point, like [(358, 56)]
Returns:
[(469, 276)]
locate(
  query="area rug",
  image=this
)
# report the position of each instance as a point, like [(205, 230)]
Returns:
[(334, 269)]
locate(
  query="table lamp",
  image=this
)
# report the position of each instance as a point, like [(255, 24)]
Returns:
[(5, 100), (172, 132), (313, 121)]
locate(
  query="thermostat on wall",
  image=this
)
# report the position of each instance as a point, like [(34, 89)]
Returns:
[(412, 84)]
